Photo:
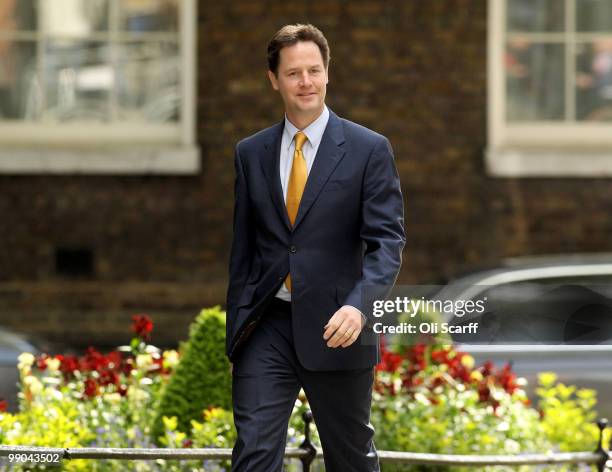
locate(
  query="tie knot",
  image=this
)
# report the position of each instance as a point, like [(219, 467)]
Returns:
[(300, 139)]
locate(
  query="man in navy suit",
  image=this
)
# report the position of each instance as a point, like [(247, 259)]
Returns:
[(318, 225)]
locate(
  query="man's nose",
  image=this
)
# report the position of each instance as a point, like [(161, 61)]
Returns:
[(305, 79)]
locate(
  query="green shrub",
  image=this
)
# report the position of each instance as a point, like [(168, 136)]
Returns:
[(568, 415), (202, 377)]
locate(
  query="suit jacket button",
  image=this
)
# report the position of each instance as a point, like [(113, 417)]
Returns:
[(292, 249)]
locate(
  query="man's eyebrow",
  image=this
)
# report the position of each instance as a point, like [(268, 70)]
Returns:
[(316, 66)]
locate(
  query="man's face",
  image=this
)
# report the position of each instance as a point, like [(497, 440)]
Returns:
[(301, 79)]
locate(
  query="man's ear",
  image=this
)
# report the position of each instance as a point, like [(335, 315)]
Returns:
[(273, 80)]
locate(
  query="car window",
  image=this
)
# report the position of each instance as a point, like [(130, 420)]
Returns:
[(568, 310)]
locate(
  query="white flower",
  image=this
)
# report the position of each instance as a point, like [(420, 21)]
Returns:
[(143, 361), (26, 360), (503, 426), (137, 394), (112, 398), (53, 364), (419, 397)]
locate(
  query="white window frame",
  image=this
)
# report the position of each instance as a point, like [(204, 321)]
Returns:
[(542, 149), (58, 148)]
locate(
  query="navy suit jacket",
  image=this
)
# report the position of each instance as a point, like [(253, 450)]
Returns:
[(348, 235)]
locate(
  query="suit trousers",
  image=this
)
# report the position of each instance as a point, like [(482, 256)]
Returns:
[(267, 377)]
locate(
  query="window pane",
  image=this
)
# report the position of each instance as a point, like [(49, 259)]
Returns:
[(534, 81), (594, 15), (148, 81), (535, 15), (18, 87), (594, 81), (78, 80), (74, 17), (17, 15), (148, 15)]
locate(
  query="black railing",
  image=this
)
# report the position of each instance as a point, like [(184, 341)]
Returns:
[(307, 453)]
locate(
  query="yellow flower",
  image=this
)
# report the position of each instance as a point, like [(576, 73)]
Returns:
[(171, 359), (170, 423), (33, 384), (476, 375), (467, 361), (547, 379)]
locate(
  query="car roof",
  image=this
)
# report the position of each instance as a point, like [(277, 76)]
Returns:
[(532, 268), (12, 345)]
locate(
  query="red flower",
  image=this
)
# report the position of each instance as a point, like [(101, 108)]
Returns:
[(416, 353), (142, 325), (41, 362), (484, 393), (114, 360), (109, 377), (507, 379), (93, 360), (487, 368), (127, 366), (68, 365), (187, 443), (439, 357), (3, 405), (91, 388), (438, 381), (390, 361)]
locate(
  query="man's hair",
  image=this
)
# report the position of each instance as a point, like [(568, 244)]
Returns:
[(291, 34)]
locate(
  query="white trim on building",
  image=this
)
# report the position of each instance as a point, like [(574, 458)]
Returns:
[(120, 147), (566, 148)]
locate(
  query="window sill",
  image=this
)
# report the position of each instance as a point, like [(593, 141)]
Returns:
[(180, 160), (549, 162)]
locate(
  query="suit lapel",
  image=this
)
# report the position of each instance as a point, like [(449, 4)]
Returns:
[(329, 154), (270, 164)]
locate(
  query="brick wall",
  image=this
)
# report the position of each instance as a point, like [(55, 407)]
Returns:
[(413, 70)]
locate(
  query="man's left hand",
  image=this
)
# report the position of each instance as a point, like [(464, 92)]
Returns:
[(343, 327)]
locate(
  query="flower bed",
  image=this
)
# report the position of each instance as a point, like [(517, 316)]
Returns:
[(425, 399)]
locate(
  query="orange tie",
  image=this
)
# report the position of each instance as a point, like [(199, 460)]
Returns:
[(297, 182)]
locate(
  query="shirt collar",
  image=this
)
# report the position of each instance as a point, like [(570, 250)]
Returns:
[(314, 131)]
